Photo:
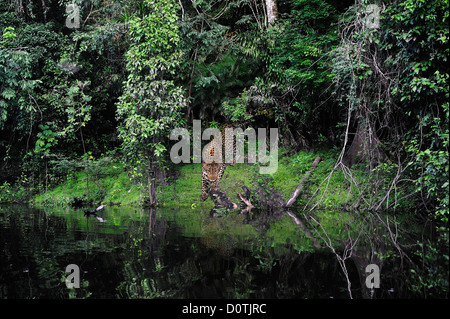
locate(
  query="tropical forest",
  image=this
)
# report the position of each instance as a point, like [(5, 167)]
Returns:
[(115, 122)]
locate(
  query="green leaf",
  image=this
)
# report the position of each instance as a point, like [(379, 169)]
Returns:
[(8, 93)]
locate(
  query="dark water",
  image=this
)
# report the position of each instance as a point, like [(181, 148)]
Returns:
[(161, 254)]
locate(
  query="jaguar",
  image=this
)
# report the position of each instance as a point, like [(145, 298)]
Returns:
[(212, 170)]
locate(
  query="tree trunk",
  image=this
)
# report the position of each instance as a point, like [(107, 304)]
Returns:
[(44, 10), (151, 182), (272, 11), (365, 147)]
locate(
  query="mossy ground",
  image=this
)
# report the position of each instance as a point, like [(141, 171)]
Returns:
[(112, 184), (186, 190)]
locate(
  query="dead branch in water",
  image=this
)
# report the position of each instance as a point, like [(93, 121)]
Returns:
[(294, 196), (221, 200)]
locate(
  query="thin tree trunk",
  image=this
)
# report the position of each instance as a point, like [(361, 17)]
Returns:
[(151, 183), (86, 161), (272, 11), (46, 175), (44, 10)]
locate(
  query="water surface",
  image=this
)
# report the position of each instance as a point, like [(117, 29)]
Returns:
[(163, 253)]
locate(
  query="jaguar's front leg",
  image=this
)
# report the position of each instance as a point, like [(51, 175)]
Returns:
[(215, 185), (205, 183)]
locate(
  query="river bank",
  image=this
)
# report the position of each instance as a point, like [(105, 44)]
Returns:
[(112, 183)]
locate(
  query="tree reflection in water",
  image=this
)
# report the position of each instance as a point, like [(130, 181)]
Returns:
[(159, 254)]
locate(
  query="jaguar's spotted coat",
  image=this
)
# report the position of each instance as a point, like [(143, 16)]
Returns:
[(212, 170)]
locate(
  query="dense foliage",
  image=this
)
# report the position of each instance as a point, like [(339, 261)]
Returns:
[(321, 71)]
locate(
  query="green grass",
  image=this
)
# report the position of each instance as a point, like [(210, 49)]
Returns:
[(186, 190), (332, 189), (111, 184)]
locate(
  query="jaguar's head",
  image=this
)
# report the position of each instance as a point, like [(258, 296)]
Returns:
[(213, 171)]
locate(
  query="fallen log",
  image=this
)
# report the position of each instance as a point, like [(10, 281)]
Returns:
[(88, 213), (305, 178), (221, 200), (293, 198)]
